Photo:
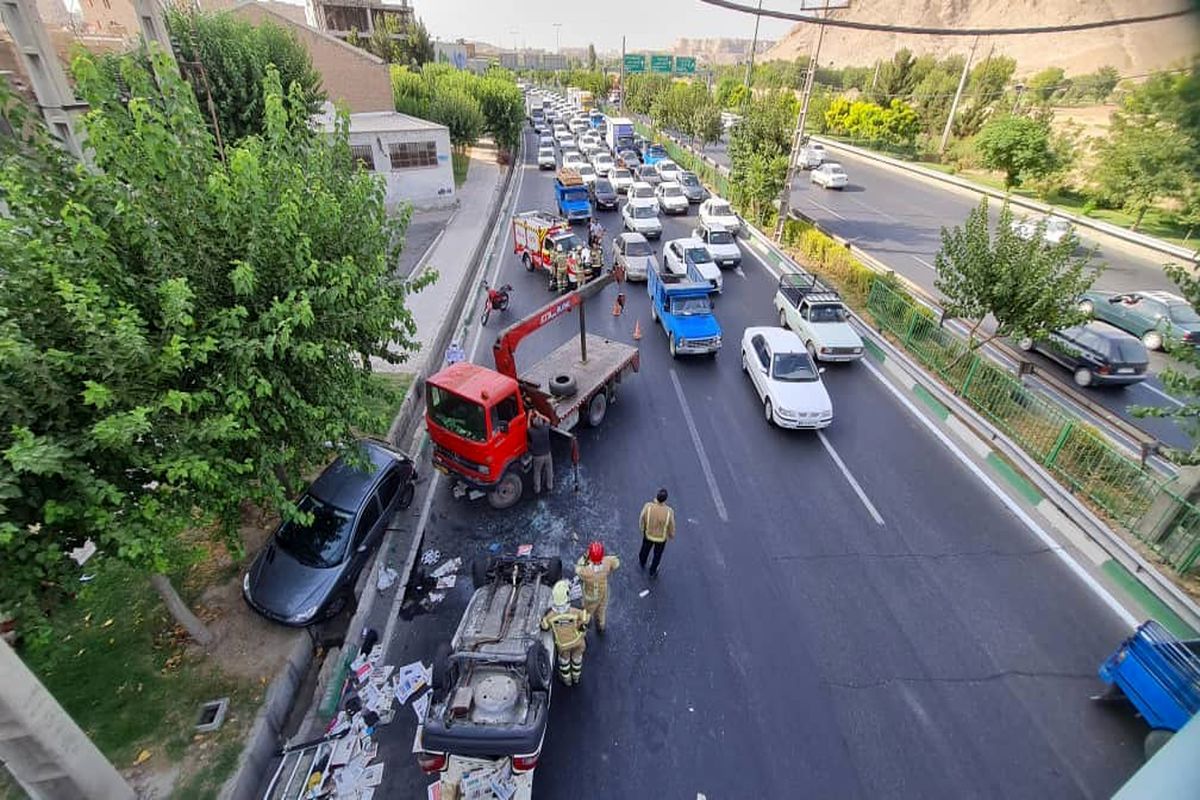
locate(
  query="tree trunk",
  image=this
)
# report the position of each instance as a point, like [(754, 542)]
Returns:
[(179, 610), (1138, 219)]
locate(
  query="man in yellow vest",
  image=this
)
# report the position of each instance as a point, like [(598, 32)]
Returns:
[(657, 522), (568, 625), (593, 570)]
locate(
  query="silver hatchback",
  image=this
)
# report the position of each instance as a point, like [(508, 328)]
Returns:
[(635, 254)]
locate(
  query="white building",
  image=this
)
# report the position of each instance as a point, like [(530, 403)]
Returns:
[(454, 53), (411, 155)]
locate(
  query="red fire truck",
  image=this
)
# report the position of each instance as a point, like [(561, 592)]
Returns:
[(477, 417), (537, 235)]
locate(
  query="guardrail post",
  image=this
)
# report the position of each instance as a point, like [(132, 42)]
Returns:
[(970, 374), (912, 324), (1052, 456)]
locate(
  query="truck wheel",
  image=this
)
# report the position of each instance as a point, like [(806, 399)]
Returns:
[(507, 492), (671, 344), (563, 385), (653, 311), (528, 262), (538, 667), (597, 408), (783, 319)]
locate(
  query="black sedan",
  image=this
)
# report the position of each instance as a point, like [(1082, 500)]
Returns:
[(628, 159), (603, 194), (307, 571), (1096, 353)]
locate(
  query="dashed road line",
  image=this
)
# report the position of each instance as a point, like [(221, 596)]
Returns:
[(922, 262), (826, 208), (1162, 394), (713, 488), (849, 476)]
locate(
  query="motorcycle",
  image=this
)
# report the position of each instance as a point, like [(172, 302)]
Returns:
[(496, 300)]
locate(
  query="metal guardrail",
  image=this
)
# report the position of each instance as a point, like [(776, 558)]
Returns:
[(1108, 229)]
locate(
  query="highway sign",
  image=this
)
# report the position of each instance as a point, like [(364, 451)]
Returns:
[(635, 63), (685, 65), (660, 64)]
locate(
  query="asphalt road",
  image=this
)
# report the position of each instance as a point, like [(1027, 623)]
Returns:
[(897, 218), (793, 645)]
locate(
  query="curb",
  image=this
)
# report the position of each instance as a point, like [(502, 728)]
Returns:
[(259, 749), (1126, 237), (1106, 550)]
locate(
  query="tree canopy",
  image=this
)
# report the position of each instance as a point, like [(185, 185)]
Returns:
[(1022, 148), (179, 333)]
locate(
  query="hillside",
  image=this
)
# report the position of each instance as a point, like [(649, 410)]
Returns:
[(718, 51), (1131, 49)]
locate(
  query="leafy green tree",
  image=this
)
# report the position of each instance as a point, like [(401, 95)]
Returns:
[(1094, 87), (704, 125), (1182, 375), (727, 86), (226, 58), (460, 112), (897, 78), (410, 92), (1021, 147), (1028, 288), (761, 181), (188, 334), (591, 57), (933, 95), (503, 109), (1047, 84), (1140, 162)]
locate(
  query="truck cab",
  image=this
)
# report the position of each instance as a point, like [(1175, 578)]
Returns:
[(653, 154), (682, 305), (571, 194), (819, 316)]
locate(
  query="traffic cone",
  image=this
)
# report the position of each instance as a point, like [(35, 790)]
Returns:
[(637, 331), (616, 308)]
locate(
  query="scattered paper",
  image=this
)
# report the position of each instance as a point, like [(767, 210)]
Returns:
[(576, 590), (431, 557), (503, 787), (421, 706), (412, 678), (387, 577), (447, 581), (363, 671), (643, 592), (525, 549), (373, 775), (433, 598), (81, 554), (342, 751), (381, 673), (434, 792), (447, 567)]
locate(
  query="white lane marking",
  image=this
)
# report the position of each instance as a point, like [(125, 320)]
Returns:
[(1161, 394), (826, 208), (713, 488), (877, 212), (849, 476), (1105, 596), (923, 262)]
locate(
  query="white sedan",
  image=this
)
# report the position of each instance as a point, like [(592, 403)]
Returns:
[(668, 170), (671, 198), (787, 380), (714, 210), (640, 216), (640, 190), (1056, 229), (587, 172), (603, 163), (679, 254), (621, 179), (545, 158), (830, 175)]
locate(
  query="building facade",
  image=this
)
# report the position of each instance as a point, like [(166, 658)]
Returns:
[(340, 17)]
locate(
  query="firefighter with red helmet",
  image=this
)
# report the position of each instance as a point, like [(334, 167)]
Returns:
[(593, 569)]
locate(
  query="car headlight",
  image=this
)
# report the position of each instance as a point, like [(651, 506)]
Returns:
[(857, 350), (305, 615), (785, 413)]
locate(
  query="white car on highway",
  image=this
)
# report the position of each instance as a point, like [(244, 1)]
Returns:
[(1056, 228), (621, 179), (678, 253), (787, 380), (830, 175), (640, 190), (587, 172), (545, 158), (715, 211), (641, 217), (574, 160), (671, 198), (603, 162), (812, 155), (635, 254), (721, 243), (668, 170)]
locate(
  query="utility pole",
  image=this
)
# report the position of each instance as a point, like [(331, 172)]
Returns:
[(621, 91), (785, 196), (557, 47), (875, 77), (753, 47), (962, 82)]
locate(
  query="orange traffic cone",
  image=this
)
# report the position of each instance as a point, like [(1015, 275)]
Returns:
[(637, 331), (616, 308)]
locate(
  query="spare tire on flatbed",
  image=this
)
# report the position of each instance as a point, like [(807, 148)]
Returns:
[(563, 385)]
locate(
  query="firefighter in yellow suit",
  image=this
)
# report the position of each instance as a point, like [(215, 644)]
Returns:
[(568, 624), (593, 570)]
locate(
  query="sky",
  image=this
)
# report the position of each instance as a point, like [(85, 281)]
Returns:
[(646, 24)]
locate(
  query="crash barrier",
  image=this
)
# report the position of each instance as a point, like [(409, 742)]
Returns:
[(1148, 506)]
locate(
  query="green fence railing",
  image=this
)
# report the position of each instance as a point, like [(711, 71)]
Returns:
[(1143, 503)]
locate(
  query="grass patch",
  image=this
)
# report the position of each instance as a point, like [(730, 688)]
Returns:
[(120, 668), (460, 161), (207, 782), (392, 388)]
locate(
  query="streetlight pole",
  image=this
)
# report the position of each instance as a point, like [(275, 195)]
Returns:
[(621, 88), (962, 82), (753, 47), (557, 48), (785, 196)]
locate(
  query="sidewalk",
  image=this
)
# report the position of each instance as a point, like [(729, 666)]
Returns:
[(450, 255)]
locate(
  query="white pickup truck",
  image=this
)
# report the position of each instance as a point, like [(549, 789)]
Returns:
[(818, 315)]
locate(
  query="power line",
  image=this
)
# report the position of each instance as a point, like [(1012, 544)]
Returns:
[(876, 26)]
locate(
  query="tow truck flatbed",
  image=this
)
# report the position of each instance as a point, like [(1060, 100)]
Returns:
[(607, 361)]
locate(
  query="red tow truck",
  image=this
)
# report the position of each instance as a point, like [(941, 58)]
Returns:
[(477, 417)]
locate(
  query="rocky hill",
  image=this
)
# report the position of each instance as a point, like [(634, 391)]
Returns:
[(1132, 49), (717, 51)]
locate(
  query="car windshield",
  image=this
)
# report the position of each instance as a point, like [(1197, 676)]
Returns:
[(827, 314), (586, 169), (688, 179), (644, 212), (793, 368), (622, 174), (672, 191), (457, 414), (565, 243), (720, 210), (720, 237), (546, 151), (835, 170), (643, 192), (657, 151), (690, 306), (321, 543), (638, 248), (697, 255), (667, 165), (1182, 313), (602, 185)]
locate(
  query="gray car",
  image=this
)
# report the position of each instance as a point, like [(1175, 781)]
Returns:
[(635, 254), (307, 571), (693, 189)]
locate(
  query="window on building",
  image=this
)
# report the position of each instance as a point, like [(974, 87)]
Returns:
[(364, 154), (413, 154)]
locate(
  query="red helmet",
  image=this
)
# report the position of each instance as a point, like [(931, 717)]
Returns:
[(595, 552)]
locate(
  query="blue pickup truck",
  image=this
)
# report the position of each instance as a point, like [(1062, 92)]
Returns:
[(654, 153), (681, 304), (571, 193)]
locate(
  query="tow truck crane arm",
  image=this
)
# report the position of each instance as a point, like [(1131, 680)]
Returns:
[(504, 351)]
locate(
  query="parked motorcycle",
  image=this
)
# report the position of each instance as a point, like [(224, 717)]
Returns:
[(496, 300)]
